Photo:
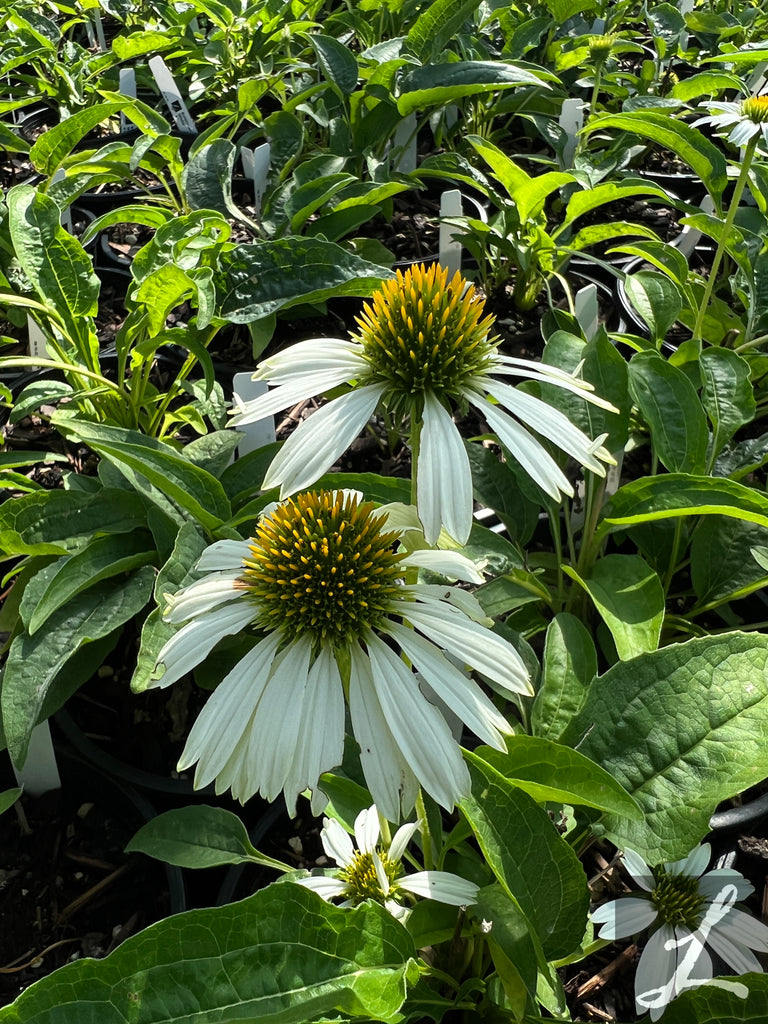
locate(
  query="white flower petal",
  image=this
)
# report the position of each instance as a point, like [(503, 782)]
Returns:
[(475, 645), (623, 917), (550, 422), (317, 442), (547, 374), (226, 716), (203, 596), (401, 839), (224, 554), (460, 694), (389, 778), (326, 887), (321, 747), (438, 763), (712, 883), (381, 874), (639, 870), (336, 842), (367, 829), (532, 456), (314, 355), (694, 864), (744, 929), (451, 564), (194, 642), (439, 596), (655, 985), (444, 477), (441, 886), (741, 959)]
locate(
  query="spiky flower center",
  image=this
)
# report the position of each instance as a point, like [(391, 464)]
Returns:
[(756, 109), (423, 333), (322, 565), (362, 881), (600, 47), (677, 899)]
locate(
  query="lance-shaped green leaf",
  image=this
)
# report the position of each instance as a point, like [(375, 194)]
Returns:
[(282, 956), (195, 837), (528, 193), (253, 281), (534, 864), (35, 661), (723, 561), (510, 946), (435, 27), (693, 148), (681, 494), (656, 299), (58, 142), (727, 394), (437, 84), (552, 773), (9, 798), (187, 485), (568, 667), (681, 729), (630, 598), (337, 62), (104, 557), (742, 999)]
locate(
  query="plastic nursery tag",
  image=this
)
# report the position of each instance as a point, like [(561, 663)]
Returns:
[(66, 214), (449, 250), (571, 120), (36, 340), (127, 87), (757, 81), (256, 164), (262, 432), (172, 96), (40, 772), (404, 145), (685, 7), (586, 309)]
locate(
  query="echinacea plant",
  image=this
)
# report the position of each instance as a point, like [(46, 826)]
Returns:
[(423, 351), (326, 595), (689, 910), (374, 870)]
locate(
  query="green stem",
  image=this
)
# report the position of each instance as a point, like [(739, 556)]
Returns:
[(426, 835), (741, 181)]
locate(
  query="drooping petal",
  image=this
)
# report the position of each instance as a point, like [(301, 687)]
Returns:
[(337, 843), (744, 929), (317, 442), (194, 642), (741, 959), (451, 564), (655, 982), (546, 374), (712, 883), (315, 355), (436, 763), (475, 645), (367, 829), (437, 596), (459, 693), (444, 477), (623, 917), (321, 747), (441, 886), (401, 839), (203, 596), (389, 778), (532, 456), (639, 870), (226, 716), (325, 886), (224, 554)]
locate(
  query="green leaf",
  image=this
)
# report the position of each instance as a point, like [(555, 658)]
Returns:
[(39, 392), (53, 146), (194, 837), (438, 84), (9, 798), (607, 192), (693, 148), (494, 485), (722, 561), (551, 773), (282, 956), (630, 598), (680, 494), (727, 394), (255, 280), (745, 999), (436, 26), (177, 572), (510, 946), (535, 866), (337, 62), (681, 729), (207, 178), (671, 408), (49, 522), (528, 194), (656, 298), (191, 488), (103, 558), (569, 665), (34, 661)]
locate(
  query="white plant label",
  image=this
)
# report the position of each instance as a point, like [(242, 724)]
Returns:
[(40, 772), (571, 120), (66, 214), (256, 164), (685, 7), (127, 87), (449, 250), (262, 432), (404, 145), (167, 86), (36, 340), (586, 309)]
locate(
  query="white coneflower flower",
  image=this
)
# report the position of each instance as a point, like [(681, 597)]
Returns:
[(323, 588), (422, 350), (375, 872), (690, 911), (742, 120)]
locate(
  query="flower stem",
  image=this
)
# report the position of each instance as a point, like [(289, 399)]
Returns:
[(738, 190)]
